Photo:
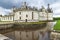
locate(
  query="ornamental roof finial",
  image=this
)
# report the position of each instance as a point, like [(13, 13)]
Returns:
[(24, 4), (48, 5)]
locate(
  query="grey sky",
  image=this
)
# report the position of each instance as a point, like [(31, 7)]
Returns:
[(6, 5)]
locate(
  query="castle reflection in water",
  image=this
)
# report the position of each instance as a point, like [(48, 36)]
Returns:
[(23, 32)]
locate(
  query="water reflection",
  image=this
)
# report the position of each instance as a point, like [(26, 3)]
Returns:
[(29, 35), (17, 34)]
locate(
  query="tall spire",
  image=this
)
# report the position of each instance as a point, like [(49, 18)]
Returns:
[(48, 5), (49, 9), (14, 7), (24, 4)]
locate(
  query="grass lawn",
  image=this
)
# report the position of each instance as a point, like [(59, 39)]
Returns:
[(57, 26), (7, 22), (30, 22)]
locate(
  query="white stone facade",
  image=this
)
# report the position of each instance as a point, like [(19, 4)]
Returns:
[(28, 14), (6, 18)]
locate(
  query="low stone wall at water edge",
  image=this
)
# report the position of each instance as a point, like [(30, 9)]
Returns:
[(55, 36), (30, 26)]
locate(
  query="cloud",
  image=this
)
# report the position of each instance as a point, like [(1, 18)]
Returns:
[(56, 15), (57, 11), (4, 11), (56, 8), (5, 5), (36, 3), (10, 3)]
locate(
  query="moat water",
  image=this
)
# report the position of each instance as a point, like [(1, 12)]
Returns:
[(28, 35), (23, 34)]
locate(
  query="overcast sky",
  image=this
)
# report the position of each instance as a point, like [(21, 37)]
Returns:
[(6, 5)]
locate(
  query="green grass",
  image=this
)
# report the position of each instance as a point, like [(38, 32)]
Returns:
[(6, 22), (55, 19), (29, 22), (57, 26)]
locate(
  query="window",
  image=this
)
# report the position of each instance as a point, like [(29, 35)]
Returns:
[(20, 18), (10, 17), (32, 15), (26, 35), (20, 33), (26, 15), (20, 13), (32, 12), (4, 18)]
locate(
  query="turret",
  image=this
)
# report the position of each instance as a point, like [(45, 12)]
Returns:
[(50, 13), (14, 8), (49, 9), (24, 5), (42, 9), (34, 8)]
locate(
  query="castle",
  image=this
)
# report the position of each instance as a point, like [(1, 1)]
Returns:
[(28, 14)]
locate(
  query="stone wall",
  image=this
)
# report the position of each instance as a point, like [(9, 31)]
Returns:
[(55, 36)]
